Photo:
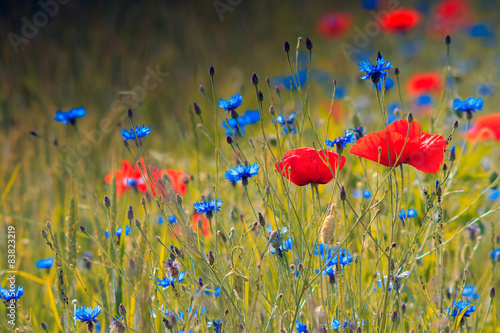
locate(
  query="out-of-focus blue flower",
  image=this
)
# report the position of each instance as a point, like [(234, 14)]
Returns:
[(340, 92), (485, 90), (423, 100), (470, 291), (412, 213), (343, 254), (300, 327), (367, 194), (284, 245), (170, 281), (215, 291), (495, 254), (45, 263), (141, 132), (69, 117), (242, 172), (232, 103), (391, 111), (377, 71), (493, 194), (358, 132), (237, 126), (287, 124), (389, 83), (395, 282), (10, 294), (284, 81), (470, 104), (207, 207), (216, 324), (87, 314), (172, 219), (119, 231), (457, 308), (480, 30), (342, 141), (370, 4), (335, 324)]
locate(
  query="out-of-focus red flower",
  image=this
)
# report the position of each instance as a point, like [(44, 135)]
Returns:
[(334, 24), (178, 179), (306, 165), (485, 128), (127, 177), (450, 15), (199, 220), (401, 20), (423, 151), (424, 83)]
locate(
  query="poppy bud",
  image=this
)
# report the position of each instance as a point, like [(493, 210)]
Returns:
[(137, 223), (492, 292), (211, 71), (396, 71), (44, 326), (197, 109), (447, 40), (229, 140), (202, 88), (130, 114), (410, 117), (255, 79), (309, 44), (83, 229), (455, 124), (343, 194), (44, 234), (286, 47)]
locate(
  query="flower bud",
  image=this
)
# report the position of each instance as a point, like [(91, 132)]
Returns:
[(286, 47), (45, 234), (130, 214), (447, 40), (211, 71), (255, 79), (492, 292), (130, 114), (197, 109), (309, 44), (343, 194), (107, 201)]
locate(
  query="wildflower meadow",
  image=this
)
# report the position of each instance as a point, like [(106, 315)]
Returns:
[(237, 166)]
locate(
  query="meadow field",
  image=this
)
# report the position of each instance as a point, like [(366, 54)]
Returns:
[(249, 166)]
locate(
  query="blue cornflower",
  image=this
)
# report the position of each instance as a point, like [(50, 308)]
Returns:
[(288, 82), (358, 132), (87, 315), (493, 194), (231, 103), (207, 207), (485, 90), (301, 328), (377, 71), (141, 132), (45, 263), (470, 291), (396, 280), (287, 123), (69, 117), (342, 141), (242, 172), (423, 100), (367, 194), (389, 83), (119, 231), (480, 30), (457, 308), (215, 292), (10, 294), (335, 324), (216, 324), (345, 257), (391, 112), (170, 281), (237, 126), (172, 219), (412, 213), (495, 254), (277, 244), (470, 104)]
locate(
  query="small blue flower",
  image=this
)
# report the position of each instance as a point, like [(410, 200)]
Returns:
[(342, 141), (335, 324), (45, 263), (119, 231), (242, 173), (141, 132), (10, 294), (216, 324), (215, 292), (493, 194), (287, 123), (423, 100), (389, 83), (412, 213), (231, 103), (457, 308), (300, 327), (87, 315), (377, 71), (160, 220), (172, 219), (485, 90), (69, 117), (288, 82), (345, 257), (358, 132), (237, 126), (470, 104), (480, 30), (170, 281), (367, 194), (396, 280), (207, 207), (470, 291), (285, 245), (495, 254)]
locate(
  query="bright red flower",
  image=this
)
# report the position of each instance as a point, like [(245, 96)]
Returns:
[(334, 24), (423, 151), (424, 83), (127, 177), (306, 166), (486, 127), (401, 20), (178, 179), (201, 224), (450, 15)]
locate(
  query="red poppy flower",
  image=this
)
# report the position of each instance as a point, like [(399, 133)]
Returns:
[(401, 20), (178, 179), (423, 151), (306, 166), (450, 15), (334, 24), (424, 83), (486, 127), (201, 224), (127, 177)]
